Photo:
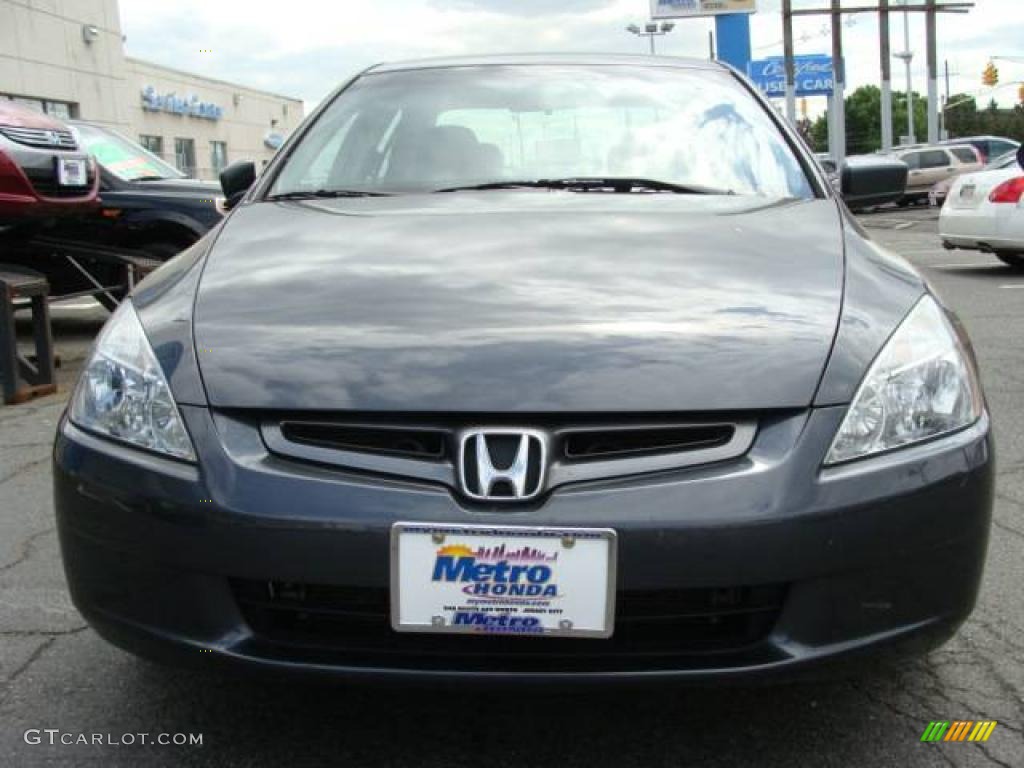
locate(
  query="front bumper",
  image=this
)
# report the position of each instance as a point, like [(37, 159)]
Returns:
[(163, 558), (40, 197)]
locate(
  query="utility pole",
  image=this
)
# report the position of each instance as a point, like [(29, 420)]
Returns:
[(945, 103), (838, 100), (787, 42), (885, 50), (933, 71), (884, 7)]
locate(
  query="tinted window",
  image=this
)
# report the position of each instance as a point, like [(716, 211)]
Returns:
[(912, 159), (964, 155), (997, 148), (935, 158), (422, 130)]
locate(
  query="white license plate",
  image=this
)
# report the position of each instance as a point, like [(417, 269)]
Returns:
[(71, 172), (503, 580)]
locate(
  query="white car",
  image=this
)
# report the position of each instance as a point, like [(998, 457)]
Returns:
[(984, 211)]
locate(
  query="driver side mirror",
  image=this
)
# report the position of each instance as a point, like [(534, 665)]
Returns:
[(1020, 156), (235, 181)]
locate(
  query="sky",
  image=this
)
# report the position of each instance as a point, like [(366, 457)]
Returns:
[(305, 48)]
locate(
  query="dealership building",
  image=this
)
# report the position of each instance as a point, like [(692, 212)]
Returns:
[(67, 59)]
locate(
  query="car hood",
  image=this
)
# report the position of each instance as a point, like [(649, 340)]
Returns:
[(521, 302), (179, 187), (14, 115)]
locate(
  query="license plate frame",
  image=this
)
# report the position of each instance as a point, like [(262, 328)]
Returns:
[(72, 172), (588, 556)]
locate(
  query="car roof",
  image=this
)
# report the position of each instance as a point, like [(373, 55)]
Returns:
[(987, 137), (580, 59), (958, 144)]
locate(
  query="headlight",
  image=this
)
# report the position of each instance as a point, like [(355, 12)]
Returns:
[(123, 393), (920, 386)]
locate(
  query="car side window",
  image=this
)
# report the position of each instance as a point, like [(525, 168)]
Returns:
[(999, 148), (912, 159), (964, 155), (935, 158)]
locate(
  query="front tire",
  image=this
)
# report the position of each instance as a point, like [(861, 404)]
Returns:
[(1014, 260), (162, 250)]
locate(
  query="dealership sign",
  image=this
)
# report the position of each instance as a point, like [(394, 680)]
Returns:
[(679, 9), (188, 105), (814, 76)]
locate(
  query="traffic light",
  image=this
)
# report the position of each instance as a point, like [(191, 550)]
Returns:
[(991, 75)]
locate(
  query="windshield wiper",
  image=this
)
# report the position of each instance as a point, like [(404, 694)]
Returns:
[(324, 194), (595, 184)]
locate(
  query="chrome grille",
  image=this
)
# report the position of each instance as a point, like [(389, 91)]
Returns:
[(40, 137), (579, 449)]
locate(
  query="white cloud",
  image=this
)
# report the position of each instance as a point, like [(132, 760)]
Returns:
[(307, 47)]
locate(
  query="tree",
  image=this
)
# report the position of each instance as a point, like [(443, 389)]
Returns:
[(961, 115), (864, 121)]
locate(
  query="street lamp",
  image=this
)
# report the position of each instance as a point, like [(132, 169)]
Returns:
[(651, 30)]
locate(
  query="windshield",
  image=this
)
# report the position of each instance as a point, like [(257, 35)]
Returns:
[(431, 129), (122, 157)]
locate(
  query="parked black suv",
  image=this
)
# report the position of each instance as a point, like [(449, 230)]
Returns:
[(147, 204)]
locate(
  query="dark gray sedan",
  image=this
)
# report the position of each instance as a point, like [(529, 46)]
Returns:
[(560, 367)]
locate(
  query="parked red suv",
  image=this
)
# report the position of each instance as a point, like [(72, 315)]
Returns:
[(43, 172)]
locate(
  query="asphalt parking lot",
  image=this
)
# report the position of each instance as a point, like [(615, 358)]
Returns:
[(55, 673)]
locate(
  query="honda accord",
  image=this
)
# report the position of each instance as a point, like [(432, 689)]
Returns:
[(530, 367)]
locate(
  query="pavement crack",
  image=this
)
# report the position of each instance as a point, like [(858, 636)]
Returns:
[(1008, 528), (23, 468), (43, 632), (33, 657), (26, 549), (913, 720), (1004, 496), (988, 754), (39, 444), (1012, 469)]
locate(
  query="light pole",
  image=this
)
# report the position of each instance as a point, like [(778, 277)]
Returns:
[(907, 56), (650, 30)]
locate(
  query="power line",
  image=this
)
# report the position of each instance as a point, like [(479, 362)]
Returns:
[(824, 31)]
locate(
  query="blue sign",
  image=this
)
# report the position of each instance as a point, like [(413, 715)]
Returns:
[(814, 75), (189, 105)]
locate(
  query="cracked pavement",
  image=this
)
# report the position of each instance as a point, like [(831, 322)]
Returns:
[(56, 673)]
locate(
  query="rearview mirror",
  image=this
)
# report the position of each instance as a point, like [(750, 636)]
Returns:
[(235, 181), (872, 180)]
